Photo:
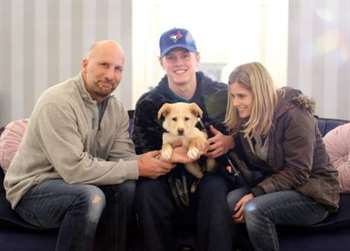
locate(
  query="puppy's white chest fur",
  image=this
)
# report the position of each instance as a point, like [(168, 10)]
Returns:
[(190, 141), (180, 121)]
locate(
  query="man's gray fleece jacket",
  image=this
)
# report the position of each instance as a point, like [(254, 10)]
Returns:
[(66, 140)]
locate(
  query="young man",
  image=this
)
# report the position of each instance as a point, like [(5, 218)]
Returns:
[(76, 166), (159, 201)]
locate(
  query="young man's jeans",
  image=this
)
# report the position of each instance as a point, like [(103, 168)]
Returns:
[(264, 212), (208, 213), (80, 212)]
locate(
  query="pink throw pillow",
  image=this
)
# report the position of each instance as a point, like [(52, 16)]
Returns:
[(9, 141)]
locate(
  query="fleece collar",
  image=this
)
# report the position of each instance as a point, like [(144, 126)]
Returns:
[(289, 98), (79, 81)]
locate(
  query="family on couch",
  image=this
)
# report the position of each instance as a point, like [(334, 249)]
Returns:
[(76, 164)]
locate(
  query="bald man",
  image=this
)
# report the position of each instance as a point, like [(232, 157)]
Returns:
[(76, 167)]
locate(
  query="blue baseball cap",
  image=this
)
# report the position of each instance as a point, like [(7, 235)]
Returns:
[(176, 38)]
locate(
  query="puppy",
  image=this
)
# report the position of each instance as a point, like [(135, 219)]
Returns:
[(180, 121)]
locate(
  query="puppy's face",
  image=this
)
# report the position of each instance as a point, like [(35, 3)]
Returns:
[(180, 119)]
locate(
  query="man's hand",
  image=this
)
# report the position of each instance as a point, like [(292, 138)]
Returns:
[(219, 144), (151, 166), (238, 214)]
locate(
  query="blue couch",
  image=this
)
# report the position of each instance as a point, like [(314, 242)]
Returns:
[(332, 234)]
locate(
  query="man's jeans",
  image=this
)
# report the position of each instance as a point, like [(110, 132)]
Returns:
[(264, 212), (77, 210)]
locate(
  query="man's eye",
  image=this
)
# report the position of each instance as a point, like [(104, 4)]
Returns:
[(118, 69), (174, 119)]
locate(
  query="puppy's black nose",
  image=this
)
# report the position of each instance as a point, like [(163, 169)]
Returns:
[(180, 131)]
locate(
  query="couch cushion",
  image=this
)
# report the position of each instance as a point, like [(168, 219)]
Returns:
[(325, 240), (27, 240)]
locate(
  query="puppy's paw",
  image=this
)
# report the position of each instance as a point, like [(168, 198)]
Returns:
[(193, 153), (166, 153)]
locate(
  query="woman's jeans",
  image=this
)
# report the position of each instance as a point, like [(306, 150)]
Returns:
[(264, 212), (81, 212)]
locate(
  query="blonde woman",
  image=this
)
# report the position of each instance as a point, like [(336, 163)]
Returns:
[(279, 152)]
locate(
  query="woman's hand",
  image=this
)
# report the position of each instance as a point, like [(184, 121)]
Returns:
[(238, 214), (219, 144)]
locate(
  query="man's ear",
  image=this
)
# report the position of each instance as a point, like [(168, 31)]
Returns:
[(83, 64), (196, 110), (164, 110)]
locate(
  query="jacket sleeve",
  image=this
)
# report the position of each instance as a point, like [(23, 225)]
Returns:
[(58, 133), (298, 143), (147, 132)]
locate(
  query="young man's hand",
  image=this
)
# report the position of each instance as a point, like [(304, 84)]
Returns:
[(180, 155), (219, 144)]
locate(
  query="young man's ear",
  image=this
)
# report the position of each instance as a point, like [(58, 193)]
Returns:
[(160, 61), (198, 57)]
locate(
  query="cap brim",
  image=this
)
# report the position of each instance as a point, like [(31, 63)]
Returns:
[(189, 48)]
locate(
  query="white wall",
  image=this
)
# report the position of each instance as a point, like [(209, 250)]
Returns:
[(43, 41), (319, 54)]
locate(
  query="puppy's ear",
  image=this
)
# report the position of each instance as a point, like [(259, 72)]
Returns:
[(164, 110), (196, 110)]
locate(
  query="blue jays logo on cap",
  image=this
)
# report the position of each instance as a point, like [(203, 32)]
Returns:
[(176, 38)]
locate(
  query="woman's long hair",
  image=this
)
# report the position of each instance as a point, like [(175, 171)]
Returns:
[(254, 77)]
